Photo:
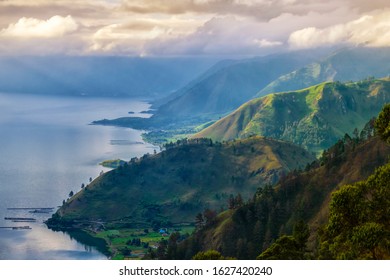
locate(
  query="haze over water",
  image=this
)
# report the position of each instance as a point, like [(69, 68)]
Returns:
[(48, 149)]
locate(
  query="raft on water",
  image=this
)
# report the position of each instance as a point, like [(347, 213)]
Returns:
[(20, 219), (23, 227), (32, 208), (40, 211)]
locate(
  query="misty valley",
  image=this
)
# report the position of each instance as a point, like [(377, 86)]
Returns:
[(282, 156)]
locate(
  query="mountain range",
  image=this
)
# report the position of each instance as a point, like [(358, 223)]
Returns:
[(230, 83), (350, 64), (315, 117), (271, 213), (224, 89), (296, 174), (147, 78)]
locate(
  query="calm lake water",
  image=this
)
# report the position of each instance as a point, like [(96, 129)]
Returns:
[(47, 149)]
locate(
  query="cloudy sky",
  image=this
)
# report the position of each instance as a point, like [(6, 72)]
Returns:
[(188, 27)]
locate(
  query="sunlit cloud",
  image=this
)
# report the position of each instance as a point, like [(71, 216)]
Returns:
[(56, 26), (187, 27), (371, 30), (264, 43), (135, 34)]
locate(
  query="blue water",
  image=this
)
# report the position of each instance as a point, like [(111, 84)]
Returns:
[(47, 149)]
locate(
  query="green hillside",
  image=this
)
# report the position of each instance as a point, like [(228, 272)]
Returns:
[(176, 184), (351, 64), (314, 117), (216, 92), (229, 84), (221, 90), (303, 199)]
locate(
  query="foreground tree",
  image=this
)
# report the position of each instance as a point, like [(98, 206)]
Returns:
[(289, 247), (382, 123), (210, 255), (358, 226)]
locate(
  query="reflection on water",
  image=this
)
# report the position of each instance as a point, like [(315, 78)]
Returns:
[(41, 243), (47, 149)]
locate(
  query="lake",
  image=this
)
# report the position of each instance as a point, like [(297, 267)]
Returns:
[(47, 149)]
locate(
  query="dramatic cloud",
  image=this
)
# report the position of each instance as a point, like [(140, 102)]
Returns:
[(188, 27), (134, 34), (221, 35), (371, 30), (56, 26)]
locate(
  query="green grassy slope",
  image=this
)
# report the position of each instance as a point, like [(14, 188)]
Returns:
[(247, 231), (176, 184), (225, 88), (218, 91), (314, 117)]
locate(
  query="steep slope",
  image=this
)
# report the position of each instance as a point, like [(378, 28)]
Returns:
[(344, 65), (176, 184), (301, 196), (225, 87), (219, 90), (205, 75), (314, 117)]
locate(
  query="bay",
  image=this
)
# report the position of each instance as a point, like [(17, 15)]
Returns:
[(47, 149)]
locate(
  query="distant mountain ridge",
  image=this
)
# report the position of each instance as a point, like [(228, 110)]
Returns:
[(181, 91), (350, 64), (148, 78), (229, 84), (314, 117), (218, 91)]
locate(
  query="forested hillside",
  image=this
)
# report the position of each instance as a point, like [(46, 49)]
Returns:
[(314, 117), (329, 210), (171, 187)]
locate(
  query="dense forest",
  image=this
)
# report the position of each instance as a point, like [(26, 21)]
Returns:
[(249, 198), (330, 210)]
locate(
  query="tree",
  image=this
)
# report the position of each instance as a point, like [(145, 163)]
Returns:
[(367, 240), (356, 133), (284, 248), (210, 255), (238, 201), (125, 251), (199, 221), (209, 216), (289, 247), (231, 202), (301, 233), (382, 123), (172, 245), (358, 226), (161, 252), (235, 202)]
